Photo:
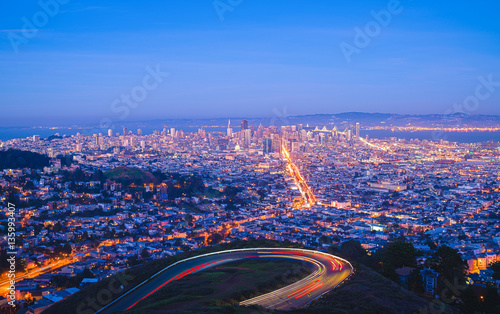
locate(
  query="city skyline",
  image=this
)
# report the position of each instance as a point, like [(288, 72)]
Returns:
[(220, 156)]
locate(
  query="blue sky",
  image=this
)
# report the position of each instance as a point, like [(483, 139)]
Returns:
[(264, 56)]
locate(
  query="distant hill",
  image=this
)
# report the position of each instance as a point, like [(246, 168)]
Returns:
[(18, 159), (126, 175), (343, 119), (386, 119)]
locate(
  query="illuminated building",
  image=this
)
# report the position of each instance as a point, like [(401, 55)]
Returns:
[(244, 125)]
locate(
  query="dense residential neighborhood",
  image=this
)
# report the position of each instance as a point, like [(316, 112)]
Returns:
[(100, 204)]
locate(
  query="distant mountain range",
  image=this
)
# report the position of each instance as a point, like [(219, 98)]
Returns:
[(349, 118), (387, 119)]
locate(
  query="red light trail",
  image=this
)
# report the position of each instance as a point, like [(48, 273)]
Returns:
[(179, 276)]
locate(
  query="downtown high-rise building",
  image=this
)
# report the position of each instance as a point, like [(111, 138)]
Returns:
[(229, 129), (268, 145), (244, 125), (276, 143), (247, 133)]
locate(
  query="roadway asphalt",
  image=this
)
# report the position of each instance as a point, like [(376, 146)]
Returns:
[(330, 271), (4, 285)]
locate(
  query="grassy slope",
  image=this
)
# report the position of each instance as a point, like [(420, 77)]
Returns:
[(366, 291), (127, 175), (145, 271), (226, 285)]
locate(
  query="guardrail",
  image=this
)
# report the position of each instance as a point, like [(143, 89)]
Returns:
[(224, 252)]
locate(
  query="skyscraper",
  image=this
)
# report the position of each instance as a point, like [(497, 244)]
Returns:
[(248, 137), (139, 132), (322, 138), (244, 125), (110, 132), (268, 145), (357, 129), (229, 129)]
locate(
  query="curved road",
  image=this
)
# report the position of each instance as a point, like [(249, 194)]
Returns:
[(330, 271)]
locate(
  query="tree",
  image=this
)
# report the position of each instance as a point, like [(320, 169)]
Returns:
[(496, 270), (85, 235), (214, 238), (189, 218), (99, 176), (432, 245), (58, 250), (415, 281), (262, 193), (400, 253), (57, 227), (334, 248), (12, 198), (29, 185), (29, 299), (480, 300), (62, 281), (389, 271), (4, 264), (469, 303), (66, 249), (491, 299), (145, 253), (87, 273), (178, 242), (449, 263), (17, 159), (230, 193), (324, 240), (132, 261), (21, 264), (352, 251), (44, 215)]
